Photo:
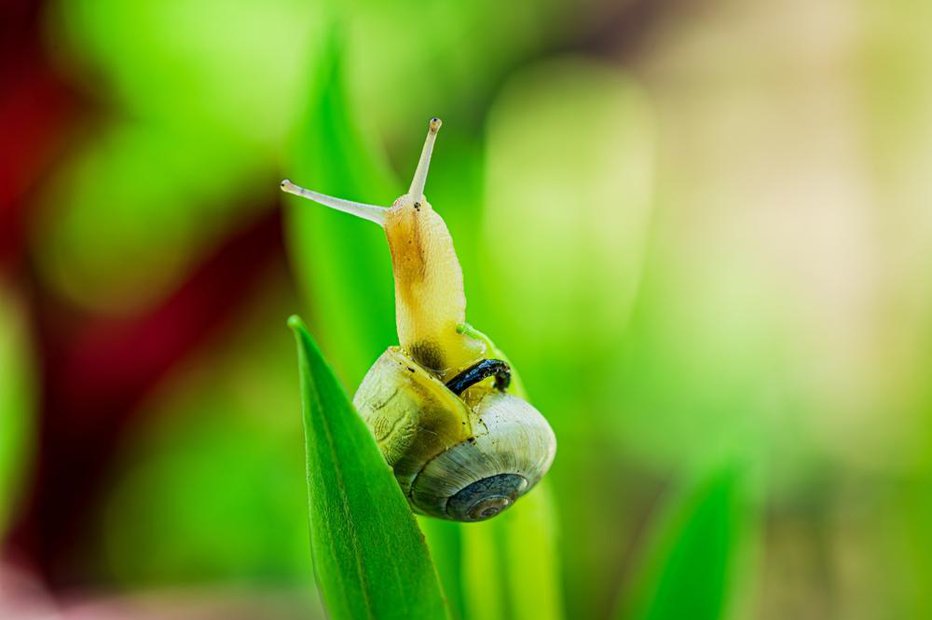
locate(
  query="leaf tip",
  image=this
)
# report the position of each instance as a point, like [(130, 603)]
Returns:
[(296, 324)]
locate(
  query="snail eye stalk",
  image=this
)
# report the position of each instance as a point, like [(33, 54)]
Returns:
[(416, 191), (479, 371)]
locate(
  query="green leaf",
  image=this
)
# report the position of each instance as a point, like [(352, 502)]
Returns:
[(214, 105), (691, 565), (445, 541), (16, 403), (533, 570), (342, 263), (370, 558), (230, 67), (157, 222), (510, 564), (571, 273), (181, 503), (484, 567)]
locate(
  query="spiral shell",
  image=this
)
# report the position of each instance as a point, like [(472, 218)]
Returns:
[(464, 459)]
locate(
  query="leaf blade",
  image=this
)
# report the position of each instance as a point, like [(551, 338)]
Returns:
[(692, 563), (511, 564), (370, 558), (348, 286), (17, 405)]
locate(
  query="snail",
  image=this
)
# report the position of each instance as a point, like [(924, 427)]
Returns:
[(460, 445)]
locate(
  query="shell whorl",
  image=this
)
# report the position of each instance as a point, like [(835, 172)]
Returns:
[(511, 449), (452, 460)]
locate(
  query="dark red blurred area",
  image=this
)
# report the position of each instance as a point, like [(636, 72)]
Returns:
[(94, 370), (36, 109)]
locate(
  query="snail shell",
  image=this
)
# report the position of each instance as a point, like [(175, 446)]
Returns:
[(460, 458)]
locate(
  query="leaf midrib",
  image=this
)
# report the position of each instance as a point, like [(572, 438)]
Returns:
[(344, 504)]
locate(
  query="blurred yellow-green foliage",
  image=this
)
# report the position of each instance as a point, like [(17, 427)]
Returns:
[(702, 232)]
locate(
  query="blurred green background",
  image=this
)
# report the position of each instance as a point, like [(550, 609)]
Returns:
[(702, 232)]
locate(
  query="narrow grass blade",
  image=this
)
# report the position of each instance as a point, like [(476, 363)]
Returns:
[(691, 566), (445, 541), (370, 558), (341, 263), (484, 570), (16, 404), (510, 564), (533, 566)]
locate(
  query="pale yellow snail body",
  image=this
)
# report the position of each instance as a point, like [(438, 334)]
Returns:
[(460, 446)]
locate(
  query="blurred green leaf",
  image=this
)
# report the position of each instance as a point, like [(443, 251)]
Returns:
[(568, 187), (341, 262), (908, 526), (484, 569), (690, 566), (370, 558), (227, 68), (16, 404), (568, 192), (204, 95), (208, 483), (533, 570), (156, 221), (445, 541), (510, 564), (442, 70)]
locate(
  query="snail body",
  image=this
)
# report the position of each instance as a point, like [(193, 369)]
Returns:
[(461, 447)]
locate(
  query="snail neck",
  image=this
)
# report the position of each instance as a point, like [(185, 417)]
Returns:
[(429, 298)]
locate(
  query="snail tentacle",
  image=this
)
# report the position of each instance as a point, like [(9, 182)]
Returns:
[(416, 191)]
